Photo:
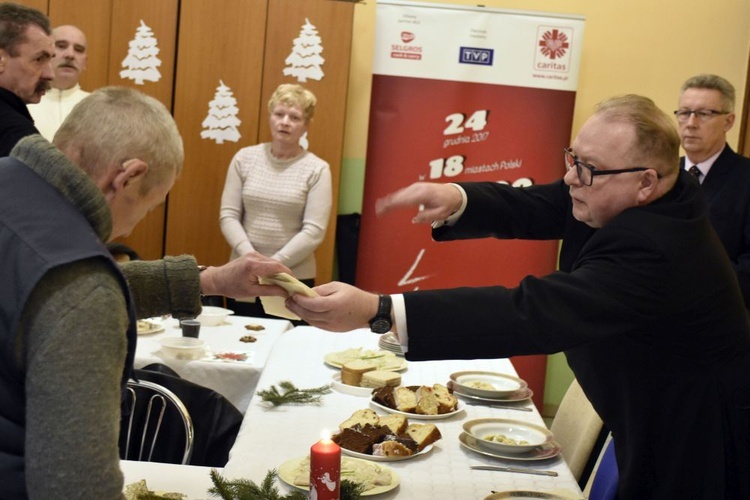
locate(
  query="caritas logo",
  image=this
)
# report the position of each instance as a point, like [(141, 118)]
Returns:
[(407, 36), (554, 44)]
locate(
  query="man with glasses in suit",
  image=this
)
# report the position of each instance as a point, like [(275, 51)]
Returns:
[(645, 305), (704, 116)]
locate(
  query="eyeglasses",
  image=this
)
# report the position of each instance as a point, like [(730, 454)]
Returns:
[(587, 172), (703, 115)]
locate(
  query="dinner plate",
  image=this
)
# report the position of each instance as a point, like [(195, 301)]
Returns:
[(150, 326), (418, 416), (521, 494), (377, 458), (548, 450), (288, 471), (520, 395), (389, 342), (383, 360), (350, 389), (511, 436), (495, 385)]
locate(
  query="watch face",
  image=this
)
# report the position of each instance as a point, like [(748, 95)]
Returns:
[(380, 325)]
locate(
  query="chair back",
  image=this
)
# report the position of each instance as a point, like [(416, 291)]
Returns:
[(148, 409), (576, 427)]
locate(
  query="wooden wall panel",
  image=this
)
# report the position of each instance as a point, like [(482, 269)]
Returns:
[(161, 16), (41, 5), (228, 48), (94, 18), (333, 21)]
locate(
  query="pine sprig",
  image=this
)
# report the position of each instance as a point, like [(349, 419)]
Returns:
[(293, 395), (243, 489)]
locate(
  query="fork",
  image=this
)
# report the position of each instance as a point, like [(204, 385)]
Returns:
[(520, 470)]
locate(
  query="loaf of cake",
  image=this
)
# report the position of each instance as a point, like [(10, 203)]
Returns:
[(405, 399), (391, 435), (447, 402), (423, 434), (352, 371), (396, 423), (427, 403), (391, 448), (384, 396), (361, 418), (380, 378)]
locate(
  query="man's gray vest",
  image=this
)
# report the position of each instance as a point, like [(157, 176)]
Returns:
[(39, 230)]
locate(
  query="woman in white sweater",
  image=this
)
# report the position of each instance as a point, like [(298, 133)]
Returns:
[(277, 196)]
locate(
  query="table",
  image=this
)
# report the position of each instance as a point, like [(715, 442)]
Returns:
[(189, 480), (235, 380), (270, 436)]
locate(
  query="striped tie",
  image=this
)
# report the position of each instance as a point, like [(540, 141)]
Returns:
[(695, 171)]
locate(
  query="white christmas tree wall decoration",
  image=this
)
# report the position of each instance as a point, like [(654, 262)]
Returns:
[(305, 61), (222, 122), (141, 62)]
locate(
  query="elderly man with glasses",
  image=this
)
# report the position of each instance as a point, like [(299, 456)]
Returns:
[(705, 115), (645, 305)]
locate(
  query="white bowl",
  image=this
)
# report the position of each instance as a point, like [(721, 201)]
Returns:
[(213, 316), (521, 436), (487, 384), (183, 347)]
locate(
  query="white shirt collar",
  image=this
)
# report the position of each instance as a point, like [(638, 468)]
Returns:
[(703, 166)]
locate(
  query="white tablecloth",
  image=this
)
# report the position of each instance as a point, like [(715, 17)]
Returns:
[(233, 379), (270, 436), (189, 480)]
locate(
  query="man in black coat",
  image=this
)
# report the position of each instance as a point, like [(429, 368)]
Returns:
[(705, 115), (646, 305), (26, 51)]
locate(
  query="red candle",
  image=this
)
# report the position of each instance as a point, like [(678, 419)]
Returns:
[(325, 470)]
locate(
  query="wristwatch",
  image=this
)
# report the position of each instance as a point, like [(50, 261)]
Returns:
[(381, 323)]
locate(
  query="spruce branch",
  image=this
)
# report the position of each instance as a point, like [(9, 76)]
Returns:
[(292, 395)]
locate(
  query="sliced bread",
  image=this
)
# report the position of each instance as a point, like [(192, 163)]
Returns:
[(380, 378)]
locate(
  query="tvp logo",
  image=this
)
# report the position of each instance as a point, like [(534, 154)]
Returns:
[(474, 55)]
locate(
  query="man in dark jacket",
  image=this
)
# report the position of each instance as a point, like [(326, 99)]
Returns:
[(645, 305), (26, 51), (704, 116)]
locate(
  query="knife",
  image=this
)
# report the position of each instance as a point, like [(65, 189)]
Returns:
[(520, 470)]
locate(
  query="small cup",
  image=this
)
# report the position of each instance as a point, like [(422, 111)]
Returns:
[(190, 328)]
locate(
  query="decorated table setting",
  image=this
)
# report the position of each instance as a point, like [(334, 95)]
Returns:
[(228, 355), (432, 429)]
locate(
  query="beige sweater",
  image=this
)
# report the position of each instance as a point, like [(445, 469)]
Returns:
[(279, 208)]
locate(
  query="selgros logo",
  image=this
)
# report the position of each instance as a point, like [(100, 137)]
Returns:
[(404, 50), (475, 55)]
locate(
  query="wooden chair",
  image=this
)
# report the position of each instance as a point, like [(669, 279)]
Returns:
[(576, 427), (146, 410)]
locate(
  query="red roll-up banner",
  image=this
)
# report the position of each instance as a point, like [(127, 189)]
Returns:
[(464, 94)]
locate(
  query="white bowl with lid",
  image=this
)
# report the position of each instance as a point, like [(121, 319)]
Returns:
[(213, 316), (185, 348)]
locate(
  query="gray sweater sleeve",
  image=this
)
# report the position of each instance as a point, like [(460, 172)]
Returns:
[(73, 333), (167, 286)]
